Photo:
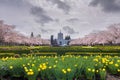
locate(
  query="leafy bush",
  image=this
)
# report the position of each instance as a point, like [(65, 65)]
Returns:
[(6, 55), (59, 50)]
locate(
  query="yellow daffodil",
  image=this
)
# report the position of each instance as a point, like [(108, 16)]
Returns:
[(89, 69), (116, 65), (64, 71), (11, 67), (69, 70)]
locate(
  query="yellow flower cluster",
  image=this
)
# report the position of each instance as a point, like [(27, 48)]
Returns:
[(116, 65), (85, 57), (111, 62), (91, 70), (66, 70), (43, 66), (29, 72), (25, 68), (4, 59), (105, 60), (96, 60)]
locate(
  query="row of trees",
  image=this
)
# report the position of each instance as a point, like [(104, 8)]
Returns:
[(111, 36), (8, 35)]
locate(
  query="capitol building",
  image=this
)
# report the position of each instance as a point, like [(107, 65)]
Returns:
[(60, 41)]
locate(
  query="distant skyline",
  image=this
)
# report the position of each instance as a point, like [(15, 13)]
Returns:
[(76, 18)]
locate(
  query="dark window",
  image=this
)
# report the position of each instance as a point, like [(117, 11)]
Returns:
[(60, 43)]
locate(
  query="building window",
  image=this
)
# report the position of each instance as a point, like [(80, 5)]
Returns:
[(60, 43)]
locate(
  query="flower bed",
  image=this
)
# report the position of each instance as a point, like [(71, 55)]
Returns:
[(66, 67)]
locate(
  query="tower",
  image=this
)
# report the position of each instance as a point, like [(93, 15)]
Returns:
[(52, 40), (60, 36), (32, 35)]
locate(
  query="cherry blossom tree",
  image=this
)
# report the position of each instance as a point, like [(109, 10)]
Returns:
[(110, 36), (9, 35), (5, 30)]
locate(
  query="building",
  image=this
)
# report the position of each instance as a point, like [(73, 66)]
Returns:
[(60, 41)]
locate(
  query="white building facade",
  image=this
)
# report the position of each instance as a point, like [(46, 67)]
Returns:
[(61, 41)]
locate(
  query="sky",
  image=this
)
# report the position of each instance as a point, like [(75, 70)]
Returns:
[(76, 18)]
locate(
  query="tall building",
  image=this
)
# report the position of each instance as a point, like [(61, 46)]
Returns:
[(60, 41), (60, 36)]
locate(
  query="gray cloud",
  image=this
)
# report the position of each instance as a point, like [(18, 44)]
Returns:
[(107, 5), (69, 30), (38, 12), (17, 3), (62, 5), (46, 30), (72, 20), (41, 16)]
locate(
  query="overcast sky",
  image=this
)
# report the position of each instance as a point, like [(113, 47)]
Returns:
[(47, 17)]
